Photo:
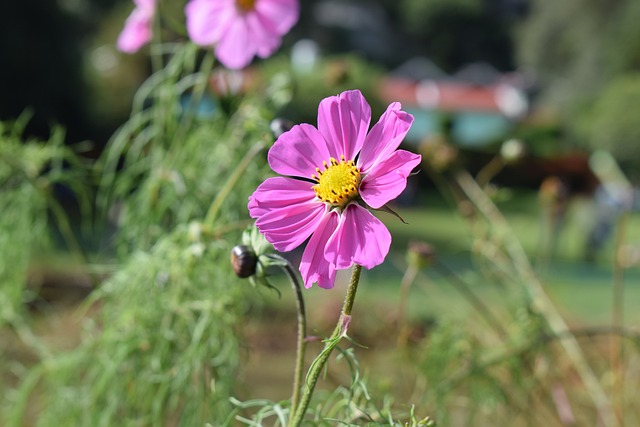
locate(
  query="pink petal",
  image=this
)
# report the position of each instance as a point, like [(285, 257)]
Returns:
[(360, 238), (299, 152), (148, 5), (208, 20), (282, 14), (278, 193), (236, 47), (136, 32), (286, 211), (263, 35), (385, 136), (314, 268), (388, 178), (343, 120), (289, 228)]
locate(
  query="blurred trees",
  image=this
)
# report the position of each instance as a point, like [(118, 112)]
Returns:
[(586, 54), (57, 59), (41, 56), (455, 32), (60, 57), (613, 122)]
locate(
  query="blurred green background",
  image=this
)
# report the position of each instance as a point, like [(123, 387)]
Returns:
[(108, 195)]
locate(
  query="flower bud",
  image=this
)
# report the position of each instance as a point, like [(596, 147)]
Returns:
[(279, 126), (244, 261), (512, 150), (438, 153), (420, 254)]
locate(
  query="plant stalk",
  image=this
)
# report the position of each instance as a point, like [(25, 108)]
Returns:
[(320, 361), (302, 334), (230, 183), (405, 285), (539, 299), (617, 320)]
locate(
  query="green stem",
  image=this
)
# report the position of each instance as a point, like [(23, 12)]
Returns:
[(475, 301), (65, 229), (199, 89), (231, 182), (540, 300), (405, 285), (302, 334), (617, 320), (320, 361), (490, 170)]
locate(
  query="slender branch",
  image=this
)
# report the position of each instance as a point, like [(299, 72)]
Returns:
[(302, 334), (405, 285), (320, 361), (542, 339), (475, 301), (539, 299), (199, 90), (489, 170), (618, 318), (351, 293), (231, 182), (65, 228)]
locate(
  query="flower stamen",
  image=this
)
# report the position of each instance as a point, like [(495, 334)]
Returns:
[(338, 183), (246, 5)]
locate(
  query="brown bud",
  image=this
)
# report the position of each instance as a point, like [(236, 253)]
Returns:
[(420, 254), (244, 261)]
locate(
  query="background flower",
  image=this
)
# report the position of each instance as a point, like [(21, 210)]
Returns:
[(240, 29), (332, 174), (137, 29)]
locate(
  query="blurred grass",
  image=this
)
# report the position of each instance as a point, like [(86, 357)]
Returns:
[(581, 289)]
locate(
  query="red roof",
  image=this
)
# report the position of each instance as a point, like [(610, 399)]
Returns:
[(443, 95)]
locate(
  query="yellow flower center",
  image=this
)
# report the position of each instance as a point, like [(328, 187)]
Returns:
[(246, 5), (338, 183)]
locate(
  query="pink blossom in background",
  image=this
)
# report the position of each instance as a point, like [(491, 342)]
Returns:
[(240, 29), (332, 174), (137, 29)]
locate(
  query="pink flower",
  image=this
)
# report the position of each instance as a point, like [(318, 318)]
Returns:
[(240, 29), (331, 175), (137, 28)]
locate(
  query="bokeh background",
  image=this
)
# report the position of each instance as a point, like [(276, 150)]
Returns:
[(535, 100)]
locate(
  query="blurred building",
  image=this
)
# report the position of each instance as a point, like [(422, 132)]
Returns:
[(481, 103)]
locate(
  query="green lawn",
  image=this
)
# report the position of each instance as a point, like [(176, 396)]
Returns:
[(581, 290)]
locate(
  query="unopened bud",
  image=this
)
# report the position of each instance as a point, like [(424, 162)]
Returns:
[(244, 261), (279, 126), (512, 150), (420, 254)]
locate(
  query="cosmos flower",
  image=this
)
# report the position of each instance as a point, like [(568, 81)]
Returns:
[(331, 176), (240, 29), (137, 29)]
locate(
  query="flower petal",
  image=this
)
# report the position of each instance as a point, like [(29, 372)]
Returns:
[(360, 238), (314, 267), (385, 136), (286, 211), (388, 178), (343, 120), (208, 21), (277, 193), (148, 5), (136, 32), (298, 152), (282, 14), (236, 47), (263, 35)]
